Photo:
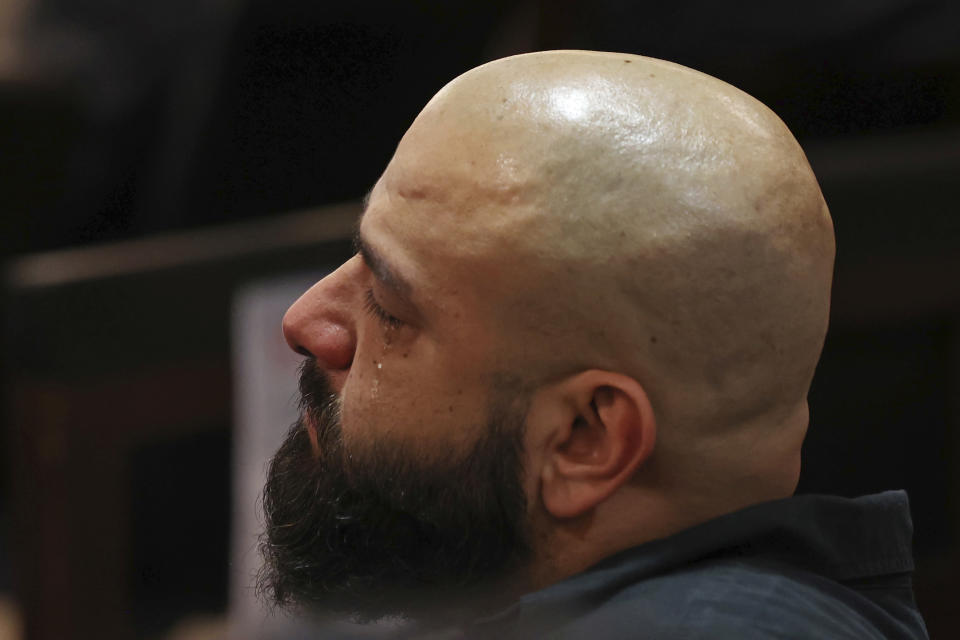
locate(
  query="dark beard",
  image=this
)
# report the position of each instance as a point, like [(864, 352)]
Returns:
[(383, 533)]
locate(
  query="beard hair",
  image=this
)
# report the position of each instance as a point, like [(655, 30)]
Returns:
[(383, 532)]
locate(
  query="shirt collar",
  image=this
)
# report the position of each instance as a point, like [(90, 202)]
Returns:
[(839, 538)]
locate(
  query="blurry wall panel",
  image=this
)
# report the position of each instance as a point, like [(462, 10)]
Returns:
[(265, 405), (119, 404)]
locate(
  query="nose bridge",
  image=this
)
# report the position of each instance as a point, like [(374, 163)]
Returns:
[(321, 322)]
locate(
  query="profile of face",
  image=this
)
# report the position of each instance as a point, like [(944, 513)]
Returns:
[(403, 484), (588, 298)]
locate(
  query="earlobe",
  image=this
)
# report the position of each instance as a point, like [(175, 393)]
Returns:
[(606, 436)]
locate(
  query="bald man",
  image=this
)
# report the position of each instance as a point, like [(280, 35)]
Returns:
[(560, 390)]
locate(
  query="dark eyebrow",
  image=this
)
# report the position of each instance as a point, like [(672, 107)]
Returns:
[(381, 268)]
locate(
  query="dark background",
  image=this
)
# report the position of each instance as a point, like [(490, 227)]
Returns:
[(150, 150)]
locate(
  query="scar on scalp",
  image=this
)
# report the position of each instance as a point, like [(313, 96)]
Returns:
[(413, 193)]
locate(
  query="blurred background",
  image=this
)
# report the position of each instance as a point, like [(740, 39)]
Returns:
[(173, 173)]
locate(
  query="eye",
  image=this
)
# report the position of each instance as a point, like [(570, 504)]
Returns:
[(373, 307)]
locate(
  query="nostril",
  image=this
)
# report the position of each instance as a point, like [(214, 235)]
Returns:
[(330, 343)]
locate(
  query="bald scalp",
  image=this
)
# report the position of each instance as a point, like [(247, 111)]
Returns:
[(642, 217)]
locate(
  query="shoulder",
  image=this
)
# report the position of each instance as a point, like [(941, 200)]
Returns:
[(729, 599)]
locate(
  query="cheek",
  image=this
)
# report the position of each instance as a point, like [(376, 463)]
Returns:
[(407, 398), (423, 386), (388, 395)]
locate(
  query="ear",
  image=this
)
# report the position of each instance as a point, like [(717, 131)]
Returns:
[(595, 429)]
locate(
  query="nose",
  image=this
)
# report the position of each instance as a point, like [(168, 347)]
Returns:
[(320, 323)]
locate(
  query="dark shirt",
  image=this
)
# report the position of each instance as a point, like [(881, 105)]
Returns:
[(803, 567)]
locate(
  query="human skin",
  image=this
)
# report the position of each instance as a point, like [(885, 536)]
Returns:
[(642, 247)]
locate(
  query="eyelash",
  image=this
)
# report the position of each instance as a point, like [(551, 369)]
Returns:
[(373, 307)]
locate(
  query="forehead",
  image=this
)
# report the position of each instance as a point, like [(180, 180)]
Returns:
[(452, 200), (449, 258)]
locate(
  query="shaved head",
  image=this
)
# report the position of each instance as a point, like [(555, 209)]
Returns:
[(649, 218)]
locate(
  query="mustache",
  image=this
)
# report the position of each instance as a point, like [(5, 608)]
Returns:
[(313, 384), (318, 402)]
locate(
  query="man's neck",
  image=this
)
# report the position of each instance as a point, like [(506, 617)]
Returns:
[(628, 519)]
